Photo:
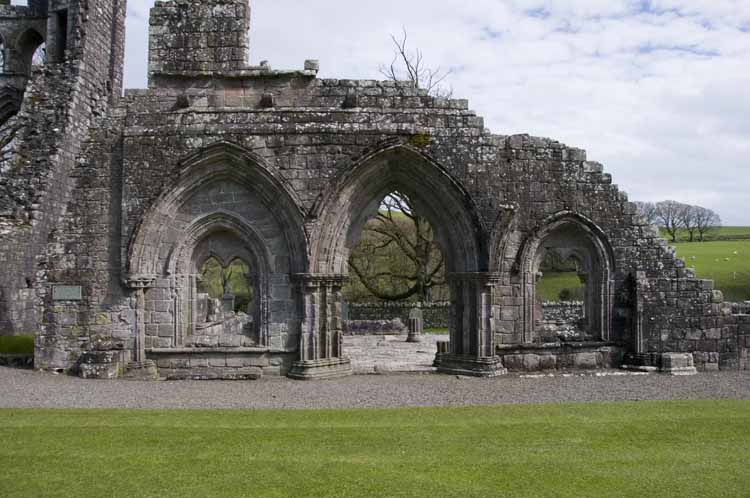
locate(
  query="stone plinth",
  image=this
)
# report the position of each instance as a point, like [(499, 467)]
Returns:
[(100, 365), (470, 366), (678, 364), (329, 368), (141, 370)]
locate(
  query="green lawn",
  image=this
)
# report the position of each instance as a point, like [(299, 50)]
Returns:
[(552, 283), (666, 449), (726, 263)]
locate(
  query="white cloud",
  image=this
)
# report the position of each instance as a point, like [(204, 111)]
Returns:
[(656, 90)]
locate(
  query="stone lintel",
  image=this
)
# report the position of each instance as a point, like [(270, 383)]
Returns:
[(330, 368), (470, 366)]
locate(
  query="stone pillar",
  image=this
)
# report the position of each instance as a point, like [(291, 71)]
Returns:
[(320, 343), (472, 339), (140, 368), (416, 325)]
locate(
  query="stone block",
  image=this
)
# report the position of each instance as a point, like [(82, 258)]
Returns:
[(586, 361), (678, 364), (547, 362), (530, 362), (513, 362)]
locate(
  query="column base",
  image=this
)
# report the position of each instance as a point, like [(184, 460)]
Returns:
[(141, 370), (470, 366), (330, 368)]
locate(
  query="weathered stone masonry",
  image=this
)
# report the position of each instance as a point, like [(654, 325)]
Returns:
[(127, 197)]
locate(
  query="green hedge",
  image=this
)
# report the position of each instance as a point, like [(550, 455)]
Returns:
[(17, 344)]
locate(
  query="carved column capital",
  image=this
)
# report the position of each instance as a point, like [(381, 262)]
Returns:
[(139, 281)]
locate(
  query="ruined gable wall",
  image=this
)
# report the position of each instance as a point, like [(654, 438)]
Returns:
[(310, 137)]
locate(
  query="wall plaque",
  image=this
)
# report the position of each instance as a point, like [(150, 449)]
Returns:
[(67, 293)]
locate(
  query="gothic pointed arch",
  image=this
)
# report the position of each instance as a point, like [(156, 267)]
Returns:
[(219, 162), (585, 242), (355, 196)]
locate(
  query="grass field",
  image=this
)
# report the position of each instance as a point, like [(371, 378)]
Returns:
[(727, 263), (661, 449), (549, 288)]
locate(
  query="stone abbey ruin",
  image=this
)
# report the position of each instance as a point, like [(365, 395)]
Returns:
[(110, 205)]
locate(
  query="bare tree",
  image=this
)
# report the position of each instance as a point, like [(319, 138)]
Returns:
[(409, 65), (705, 221), (670, 217), (688, 218), (648, 211), (398, 256)]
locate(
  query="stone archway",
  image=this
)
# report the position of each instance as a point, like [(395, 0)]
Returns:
[(581, 240), (342, 212), (225, 202)]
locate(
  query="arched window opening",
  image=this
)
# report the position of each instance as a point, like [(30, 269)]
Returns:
[(232, 285), (32, 50), (560, 297), (568, 294)]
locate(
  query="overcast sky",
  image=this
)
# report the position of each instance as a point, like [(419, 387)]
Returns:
[(658, 91)]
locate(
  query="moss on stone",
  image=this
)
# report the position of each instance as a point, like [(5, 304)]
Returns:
[(420, 140)]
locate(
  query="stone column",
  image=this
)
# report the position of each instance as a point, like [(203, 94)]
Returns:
[(320, 342), (472, 343), (140, 368)]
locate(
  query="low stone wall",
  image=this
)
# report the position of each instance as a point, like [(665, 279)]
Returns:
[(374, 327), (436, 315), (563, 311), (220, 363), (583, 356)]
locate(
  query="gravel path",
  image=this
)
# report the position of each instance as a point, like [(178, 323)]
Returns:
[(29, 389)]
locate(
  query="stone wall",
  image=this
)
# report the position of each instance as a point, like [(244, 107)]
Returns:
[(436, 315), (562, 312), (119, 196)]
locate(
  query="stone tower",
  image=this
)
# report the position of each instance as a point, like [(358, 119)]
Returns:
[(46, 109), (198, 39)]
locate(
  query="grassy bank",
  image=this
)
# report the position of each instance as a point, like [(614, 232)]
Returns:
[(614, 450), (727, 263), (19, 344)]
